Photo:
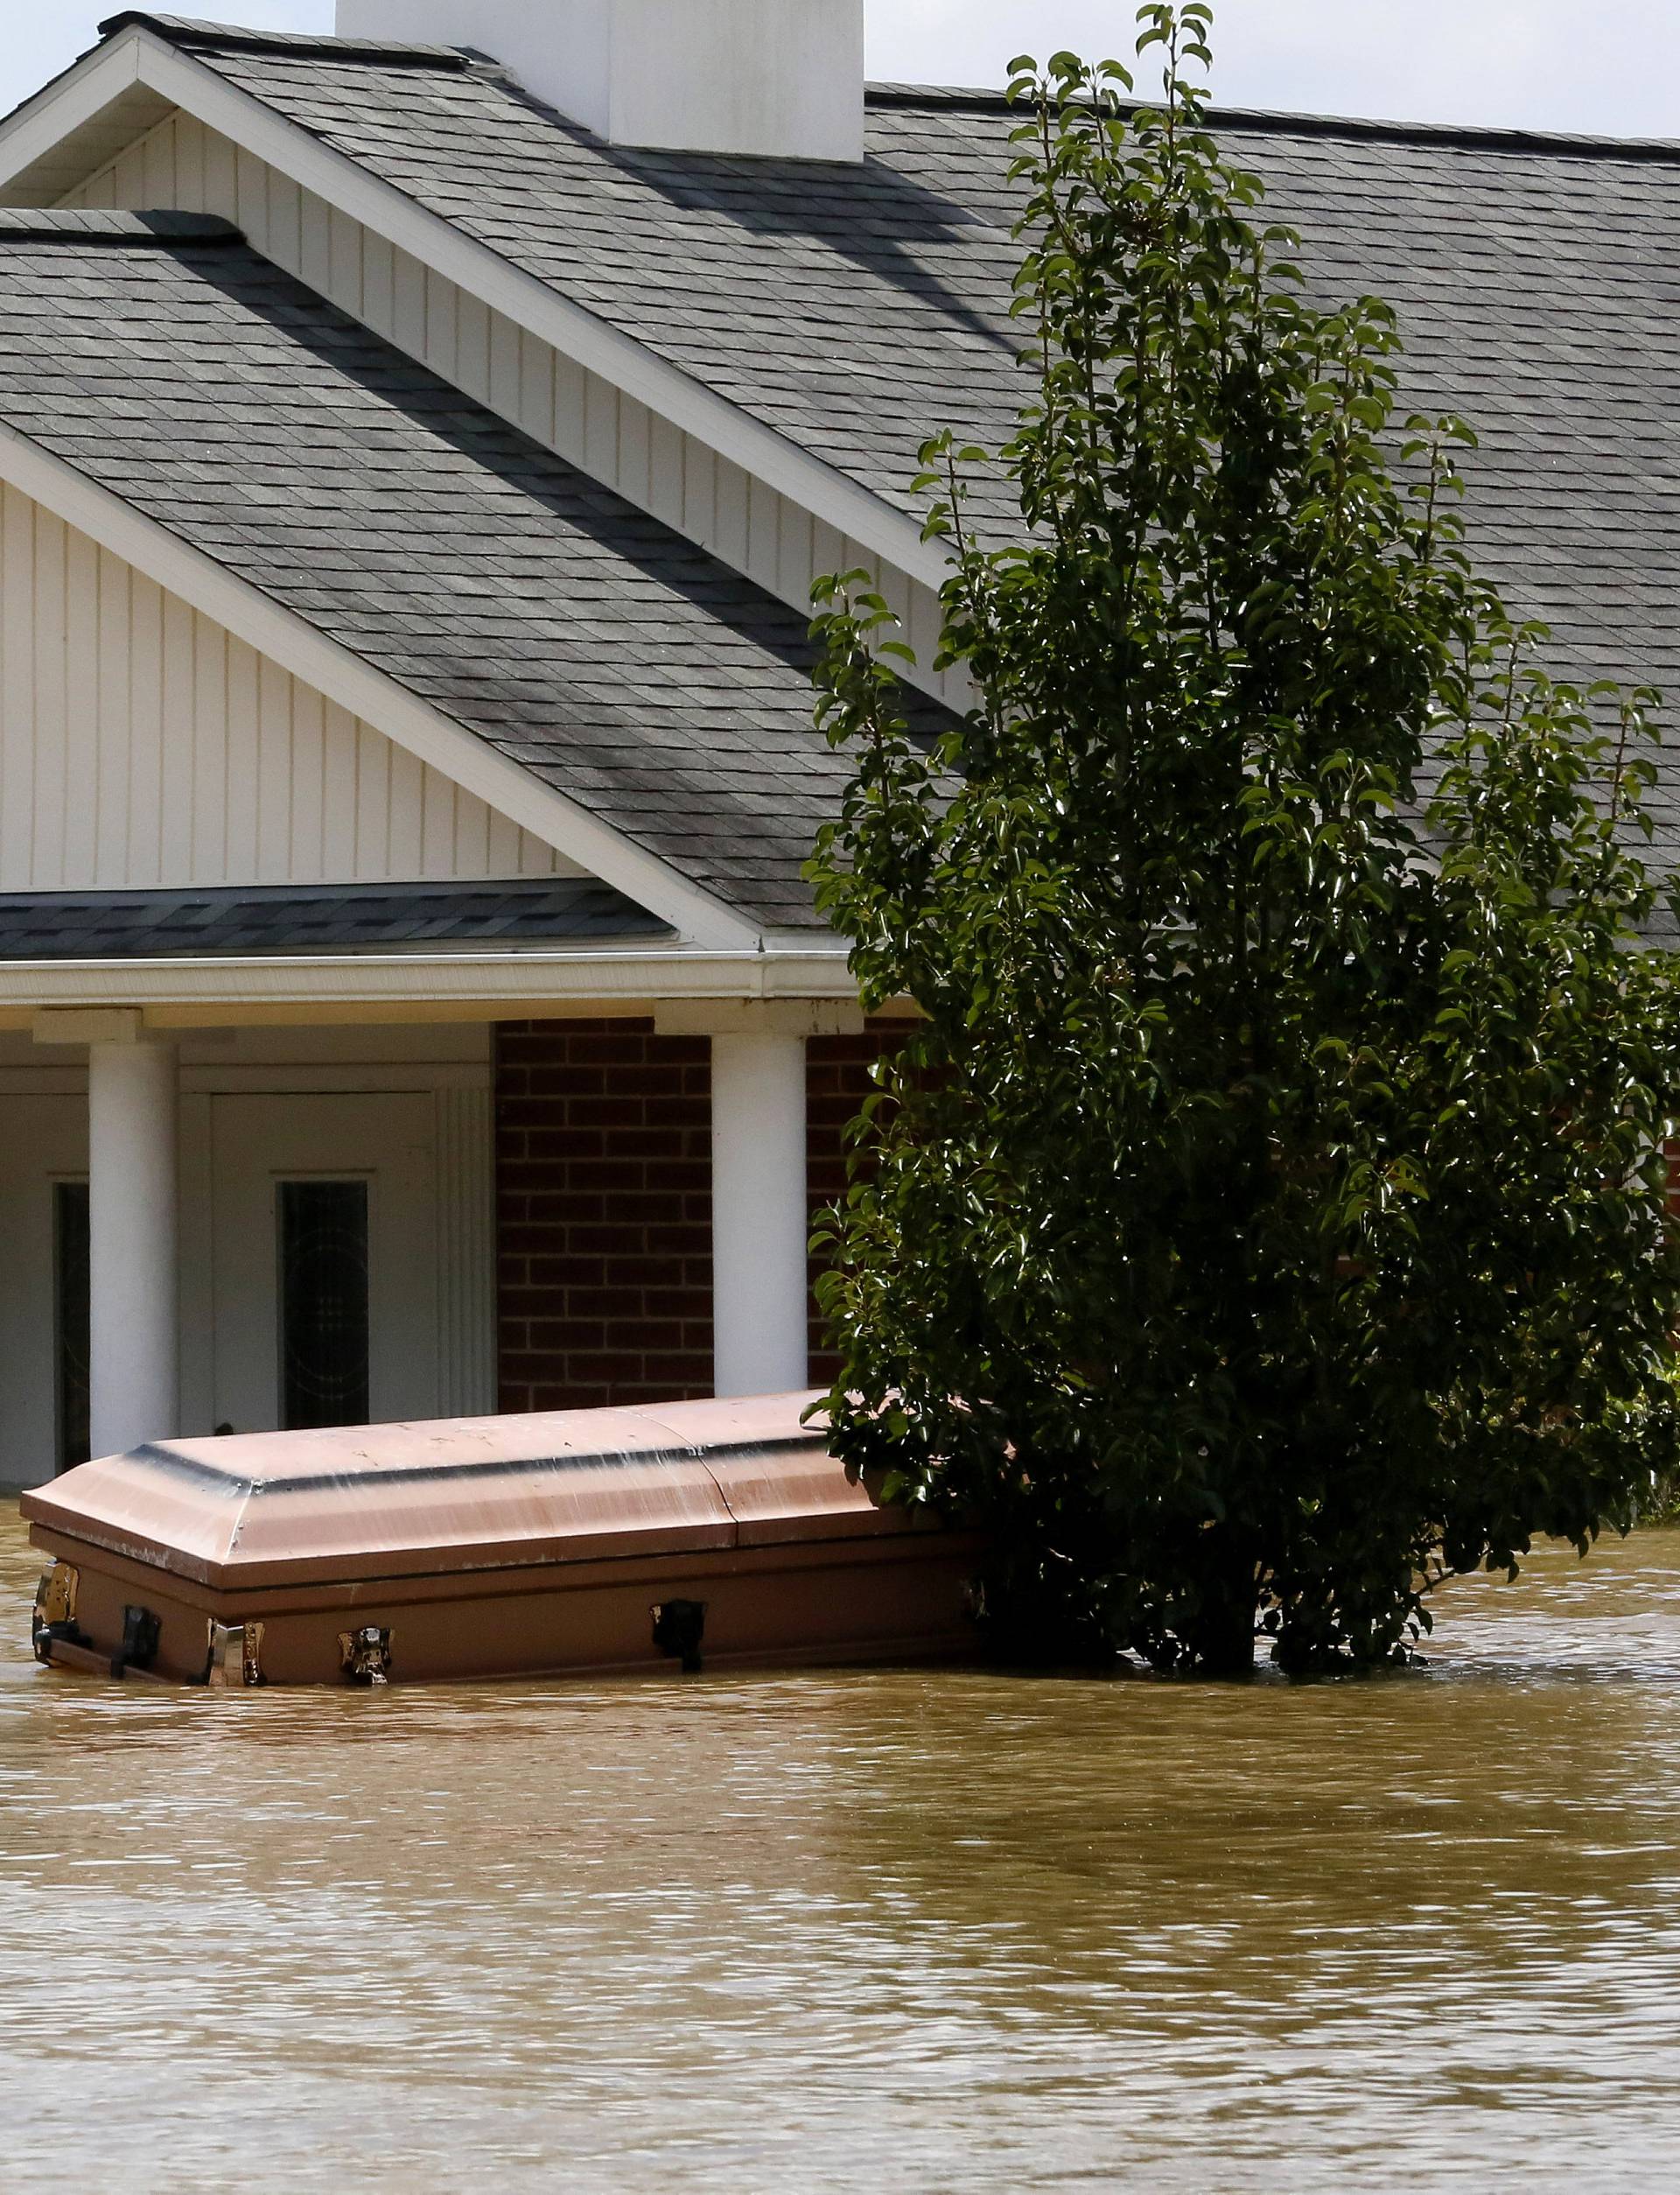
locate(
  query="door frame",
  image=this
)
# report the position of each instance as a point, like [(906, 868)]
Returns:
[(387, 1139), (465, 1176), (39, 1152)]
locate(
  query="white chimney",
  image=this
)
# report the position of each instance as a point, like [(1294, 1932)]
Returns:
[(782, 77)]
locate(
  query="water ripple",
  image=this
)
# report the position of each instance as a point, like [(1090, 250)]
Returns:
[(880, 1929)]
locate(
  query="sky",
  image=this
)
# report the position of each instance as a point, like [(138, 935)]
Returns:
[(1536, 64)]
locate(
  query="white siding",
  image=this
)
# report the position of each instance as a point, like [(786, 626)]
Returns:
[(141, 744), (560, 404)]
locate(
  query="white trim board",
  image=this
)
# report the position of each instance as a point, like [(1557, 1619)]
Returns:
[(492, 987), (343, 677), (139, 56)]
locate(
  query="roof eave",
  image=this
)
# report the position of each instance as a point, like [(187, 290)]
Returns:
[(468, 984)]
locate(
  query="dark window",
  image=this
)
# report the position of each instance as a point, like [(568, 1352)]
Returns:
[(323, 1304), (70, 1318)]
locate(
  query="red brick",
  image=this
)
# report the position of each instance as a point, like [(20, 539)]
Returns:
[(603, 1368), (679, 1370), (525, 1239), (567, 1271), (679, 1112), (625, 1043), (568, 1336), (678, 1303), (615, 1174), (640, 1142), (607, 1110), (614, 1304), (681, 1241), (694, 1175), (549, 1135), (538, 1303), (559, 1079), (558, 1398), (603, 1139), (604, 1241), (603, 1131), (635, 1271)]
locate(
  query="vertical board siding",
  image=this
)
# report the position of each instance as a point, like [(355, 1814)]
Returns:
[(653, 465), (141, 744)]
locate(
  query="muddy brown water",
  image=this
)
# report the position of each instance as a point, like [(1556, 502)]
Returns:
[(872, 1929)]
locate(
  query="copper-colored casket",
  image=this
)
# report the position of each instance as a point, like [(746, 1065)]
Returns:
[(586, 1539)]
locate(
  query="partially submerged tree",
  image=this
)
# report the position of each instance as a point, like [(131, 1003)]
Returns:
[(1266, 1217)]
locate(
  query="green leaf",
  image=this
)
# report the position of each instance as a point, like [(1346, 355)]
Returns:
[(1259, 1218)]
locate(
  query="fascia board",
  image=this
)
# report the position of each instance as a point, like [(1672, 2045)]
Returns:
[(77, 98), (575, 333), (356, 685), (526, 981)]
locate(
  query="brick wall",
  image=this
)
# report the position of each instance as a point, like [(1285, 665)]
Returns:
[(603, 1205), (604, 1214)]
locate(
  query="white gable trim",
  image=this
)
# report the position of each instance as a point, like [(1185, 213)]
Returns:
[(78, 97), (343, 677), (140, 56)]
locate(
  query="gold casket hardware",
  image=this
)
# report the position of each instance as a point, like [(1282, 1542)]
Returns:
[(54, 1620), (366, 1655), (235, 1656)]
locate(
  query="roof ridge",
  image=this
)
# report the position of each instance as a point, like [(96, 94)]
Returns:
[(964, 100), (95, 226), (188, 31), (233, 38)]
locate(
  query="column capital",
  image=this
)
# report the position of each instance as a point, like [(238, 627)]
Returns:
[(93, 1025), (758, 1017)]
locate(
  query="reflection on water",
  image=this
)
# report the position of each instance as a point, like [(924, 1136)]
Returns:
[(877, 1930)]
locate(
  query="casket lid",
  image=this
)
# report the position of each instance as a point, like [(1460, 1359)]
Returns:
[(349, 1503)]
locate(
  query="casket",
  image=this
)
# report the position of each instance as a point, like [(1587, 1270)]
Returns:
[(720, 1532)]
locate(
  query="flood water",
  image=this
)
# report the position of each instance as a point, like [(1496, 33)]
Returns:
[(882, 1930)]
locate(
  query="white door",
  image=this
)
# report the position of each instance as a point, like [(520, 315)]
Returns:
[(324, 1235), (43, 1369)]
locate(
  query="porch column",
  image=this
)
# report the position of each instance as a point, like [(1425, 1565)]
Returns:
[(133, 1253), (760, 1201), (761, 1214)]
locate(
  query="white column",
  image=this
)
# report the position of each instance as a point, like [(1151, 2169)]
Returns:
[(760, 1213), (134, 1354)]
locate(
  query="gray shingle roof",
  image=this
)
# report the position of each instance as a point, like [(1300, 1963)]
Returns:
[(191, 32), (857, 310), (576, 635), (316, 918)]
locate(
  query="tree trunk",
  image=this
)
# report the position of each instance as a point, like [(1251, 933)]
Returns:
[(1222, 1639)]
